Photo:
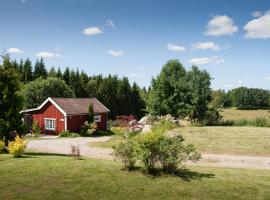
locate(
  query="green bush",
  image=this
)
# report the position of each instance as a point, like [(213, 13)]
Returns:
[(212, 117), (68, 134), (88, 129), (161, 151), (127, 152), (163, 126), (35, 128), (155, 151)]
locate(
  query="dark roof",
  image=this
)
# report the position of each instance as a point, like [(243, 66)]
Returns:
[(72, 106)]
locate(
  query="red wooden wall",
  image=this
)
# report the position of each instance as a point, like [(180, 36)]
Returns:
[(75, 122), (49, 111)]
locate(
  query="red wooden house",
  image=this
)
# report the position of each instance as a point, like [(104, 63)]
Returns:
[(57, 114)]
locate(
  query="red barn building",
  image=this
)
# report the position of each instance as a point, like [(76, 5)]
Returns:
[(57, 114)]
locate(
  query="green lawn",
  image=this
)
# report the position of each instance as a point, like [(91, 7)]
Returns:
[(234, 114), (227, 140), (59, 177)]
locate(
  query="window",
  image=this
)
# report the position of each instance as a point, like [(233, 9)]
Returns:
[(97, 118), (50, 124)]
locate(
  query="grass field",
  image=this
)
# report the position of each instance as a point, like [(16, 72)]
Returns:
[(229, 140), (234, 114), (59, 177), (225, 140)]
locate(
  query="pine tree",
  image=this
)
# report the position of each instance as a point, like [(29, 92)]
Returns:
[(90, 114), (27, 71), (66, 76), (124, 97), (11, 102), (52, 72), (59, 73), (138, 105), (40, 69)]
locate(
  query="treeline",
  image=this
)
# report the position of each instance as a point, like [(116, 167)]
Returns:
[(242, 98), (116, 93)]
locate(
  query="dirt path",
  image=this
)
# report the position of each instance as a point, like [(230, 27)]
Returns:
[(62, 145)]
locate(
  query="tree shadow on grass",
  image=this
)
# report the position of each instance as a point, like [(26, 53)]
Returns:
[(184, 174), (188, 175), (31, 154)]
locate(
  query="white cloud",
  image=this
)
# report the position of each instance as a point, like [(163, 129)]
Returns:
[(206, 60), (110, 23), (23, 1), (258, 27), (14, 50), (174, 47), (256, 14), (115, 53), (92, 31), (134, 75), (45, 54), (268, 78), (221, 25), (206, 46)]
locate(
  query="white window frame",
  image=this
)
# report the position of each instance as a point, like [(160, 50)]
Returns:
[(52, 126), (97, 118)]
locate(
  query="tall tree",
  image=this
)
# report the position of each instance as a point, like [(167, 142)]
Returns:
[(66, 76), (40, 69), (59, 73), (199, 93), (169, 91), (11, 102), (124, 97), (137, 103), (52, 72), (37, 91), (27, 71)]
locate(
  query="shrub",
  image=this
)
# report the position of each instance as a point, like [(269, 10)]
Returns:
[(35, 128), (155, 151), (212, 117), (68, 134), (119, 131), (167, 153), (17, 147), (163, 126), (127, 153), (88, 129), (258, 122), (2, 146)]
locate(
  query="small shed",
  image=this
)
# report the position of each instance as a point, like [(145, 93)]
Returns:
[(57, 114)]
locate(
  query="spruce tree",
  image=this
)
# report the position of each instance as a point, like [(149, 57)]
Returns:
[(27, 69), (11, 101)]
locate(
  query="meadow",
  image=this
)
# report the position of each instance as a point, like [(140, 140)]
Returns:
[(235, 114), (48, 177)]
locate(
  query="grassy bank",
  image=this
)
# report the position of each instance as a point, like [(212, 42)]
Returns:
[(58, 177), (225, 140), (229, 140), (235, 114)]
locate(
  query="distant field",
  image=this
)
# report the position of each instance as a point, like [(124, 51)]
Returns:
[(59, 177), (224, 140), (229, 140), (234, 114)]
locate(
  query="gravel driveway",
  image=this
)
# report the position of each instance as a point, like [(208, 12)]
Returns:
[(63, 146)]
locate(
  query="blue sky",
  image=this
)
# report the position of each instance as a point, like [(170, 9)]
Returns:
[(229, 38)]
